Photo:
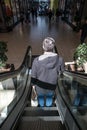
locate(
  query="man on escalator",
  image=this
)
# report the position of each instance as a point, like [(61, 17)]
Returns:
[(45, 71)]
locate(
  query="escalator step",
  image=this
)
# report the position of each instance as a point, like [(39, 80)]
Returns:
[(45, 118), (38, 108), (41, 125), (38, 111)]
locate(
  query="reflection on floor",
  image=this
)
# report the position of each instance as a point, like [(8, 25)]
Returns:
[(33, 34)]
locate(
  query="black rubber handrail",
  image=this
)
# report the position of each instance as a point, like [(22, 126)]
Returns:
[(15, 72), (76, 74)]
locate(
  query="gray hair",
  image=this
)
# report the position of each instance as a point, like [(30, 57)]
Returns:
[(48, 44)]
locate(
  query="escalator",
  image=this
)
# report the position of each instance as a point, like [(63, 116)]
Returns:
[(67, 113), (39, 118)]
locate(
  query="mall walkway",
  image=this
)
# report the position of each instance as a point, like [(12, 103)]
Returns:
[(33, 34)]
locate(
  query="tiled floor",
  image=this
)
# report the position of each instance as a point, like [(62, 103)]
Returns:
[(33, 34)]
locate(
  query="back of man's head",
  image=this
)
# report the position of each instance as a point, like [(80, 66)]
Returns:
[(48, 44)]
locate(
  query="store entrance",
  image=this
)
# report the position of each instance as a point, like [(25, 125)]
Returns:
[(10, 11), (43, 7)]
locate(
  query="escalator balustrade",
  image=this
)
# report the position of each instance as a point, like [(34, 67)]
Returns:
[(73, 88)]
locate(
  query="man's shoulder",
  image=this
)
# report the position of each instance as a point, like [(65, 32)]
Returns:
[(60, 57), (61, 60), (36, 58)]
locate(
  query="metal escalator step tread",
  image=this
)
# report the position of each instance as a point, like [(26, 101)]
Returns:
[(44, 118), (41, 125), (51, 111), (40, 108), (55, 113)]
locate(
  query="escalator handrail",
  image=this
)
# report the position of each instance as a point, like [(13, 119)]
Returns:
[(9, 74), (72, 72), (76, 74)]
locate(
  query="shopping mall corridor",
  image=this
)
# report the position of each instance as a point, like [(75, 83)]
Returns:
[(33, 34)]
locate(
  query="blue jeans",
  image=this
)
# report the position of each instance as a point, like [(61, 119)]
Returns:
[(45, 99)]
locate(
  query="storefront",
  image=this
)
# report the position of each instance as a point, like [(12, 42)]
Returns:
[(73, 12), (10, 13)]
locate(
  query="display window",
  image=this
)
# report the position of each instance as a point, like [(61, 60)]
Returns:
[(10, 11), (15, 9), (8, 14), (72, 11)]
